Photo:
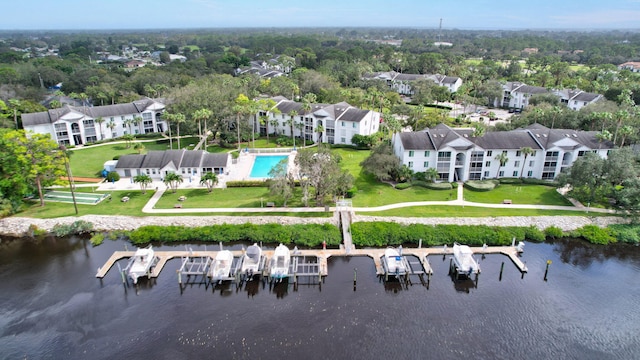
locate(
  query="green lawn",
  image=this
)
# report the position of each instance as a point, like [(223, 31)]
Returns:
[(89, 161), (518, 194), (468, 211)]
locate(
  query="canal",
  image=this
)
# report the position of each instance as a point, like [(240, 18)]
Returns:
[(53, 307)]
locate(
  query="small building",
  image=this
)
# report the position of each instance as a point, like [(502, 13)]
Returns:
[(188, 163), (632, 66), (401, 83)]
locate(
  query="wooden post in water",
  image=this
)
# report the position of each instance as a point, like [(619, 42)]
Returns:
[(355, 278), (501, 268), (546, 271)]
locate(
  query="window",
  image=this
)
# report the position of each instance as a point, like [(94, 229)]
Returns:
[(427, 153), (410, 164), (353, 125), (531, 163), (529, 173), (426, 164), (489, 153), (122, 118), (153, 171), (486, 174), (183, 171), (518, 153), (343, 140), (501, 173), (410, 153), (516, 164), (147, 171), (515, 173), (124, 126), (487, 164), (342, 123), (504, 152)]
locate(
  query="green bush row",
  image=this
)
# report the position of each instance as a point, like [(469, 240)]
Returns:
[(248, 183), (309, 235), (595, 234), (517, 181), (383, 234), (432, 185), (484, 185), (78, 227)]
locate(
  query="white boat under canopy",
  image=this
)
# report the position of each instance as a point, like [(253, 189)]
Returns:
[(141, 263), (221, 265), (463, 258), (280, 262)]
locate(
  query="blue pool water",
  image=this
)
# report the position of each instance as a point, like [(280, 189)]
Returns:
[(263, 164)]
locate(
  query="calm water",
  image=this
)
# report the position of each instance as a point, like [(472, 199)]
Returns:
[(263, 165), (53, 308)]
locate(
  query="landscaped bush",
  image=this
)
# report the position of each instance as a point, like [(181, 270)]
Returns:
[(484, 185), (76, 228), (112, 176), (554, 232), (595, 234), (626, 233), (540, 182), (383, 234), (352, 192), (97, 239), (309, 235), (247, 183), (513, 181), (402, 186)]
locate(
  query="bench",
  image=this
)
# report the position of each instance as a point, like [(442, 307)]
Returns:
[(506, 201), (177, 206), (271, 204)]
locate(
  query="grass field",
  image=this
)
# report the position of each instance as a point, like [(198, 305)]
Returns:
[(89, 161), (467, 211), (518, 194)]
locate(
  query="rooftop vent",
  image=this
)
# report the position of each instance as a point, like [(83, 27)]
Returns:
[(575, 135), (545, 135)]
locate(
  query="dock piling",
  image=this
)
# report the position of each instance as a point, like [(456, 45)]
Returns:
[(355, 278), (546, 271), (501, 269)]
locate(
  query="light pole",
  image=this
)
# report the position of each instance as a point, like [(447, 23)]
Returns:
[(71, 184)]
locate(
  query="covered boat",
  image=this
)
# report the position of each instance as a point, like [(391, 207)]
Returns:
[(221, 265), (464, 261), (280, 262), (141, 263), (251, 260), (394, 262)]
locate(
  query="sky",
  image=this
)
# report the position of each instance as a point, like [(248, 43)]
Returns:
[(455, 14)]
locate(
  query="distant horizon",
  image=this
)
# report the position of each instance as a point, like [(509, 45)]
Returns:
[(479, 15)]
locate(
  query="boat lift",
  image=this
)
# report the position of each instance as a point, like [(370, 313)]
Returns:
[(412, 266), (300, 266), (194, 265)]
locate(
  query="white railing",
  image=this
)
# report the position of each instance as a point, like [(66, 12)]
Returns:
[(269, 151)]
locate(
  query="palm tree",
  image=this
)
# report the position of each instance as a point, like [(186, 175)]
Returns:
[(137, 121), (144, 180), (99, 120), (291, 122), (209, 179), (172, 180), (320, 130), (622, 116), (624, 132), (602, 136), (431, 174), (502, 159), (202, 115), (139, 147), (168, 118), (526, 151), (478, 130), (273, 122), (55, 104), (128, 124), (111, 125)]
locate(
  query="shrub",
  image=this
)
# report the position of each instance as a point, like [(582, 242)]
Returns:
[(352, 192), (35, 231), (308, 235), (116, 157), (514, 181), (112, 176), (97, 239), (248, 183), (541, 182), (594, 234), (77, 228), (626, 233), (484, 185), (554, 232), (402, 186)]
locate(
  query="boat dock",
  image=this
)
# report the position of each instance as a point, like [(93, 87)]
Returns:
[(309, 262)]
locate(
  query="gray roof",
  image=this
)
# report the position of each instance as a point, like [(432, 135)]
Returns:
[(528, 89), (497, 140), (585, 96), (341, 110), (51, 116), (548, 137), (416, 141), (180, 159)]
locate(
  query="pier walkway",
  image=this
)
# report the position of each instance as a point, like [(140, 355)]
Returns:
[(322, 254)]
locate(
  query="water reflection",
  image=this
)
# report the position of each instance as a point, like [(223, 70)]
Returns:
[(584, 254)]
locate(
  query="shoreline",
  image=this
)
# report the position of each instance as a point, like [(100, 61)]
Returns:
[(19, 226)]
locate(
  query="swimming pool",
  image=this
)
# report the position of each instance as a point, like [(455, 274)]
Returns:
[(263, 164)]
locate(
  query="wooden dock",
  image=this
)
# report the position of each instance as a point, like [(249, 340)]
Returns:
[(323, 254)]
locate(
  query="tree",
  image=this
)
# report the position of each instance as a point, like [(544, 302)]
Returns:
[(282, 182), (36, 160), (172, 180), (266, 106), (139, 147), (526, 151), (128, 124), (144, 181), (137, 121), (209, 179), (111, 125), (242, 106), (431, 174), (502, 159), (321, 170), (202, 115), (99, 120), (128, 139), (176, 118), (382, 162), (586, 178), (291, 122)]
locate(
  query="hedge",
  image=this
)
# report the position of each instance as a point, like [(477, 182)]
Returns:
[(247, 183), (308, 235), (626, 233), (383, 234), (484, 185)]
